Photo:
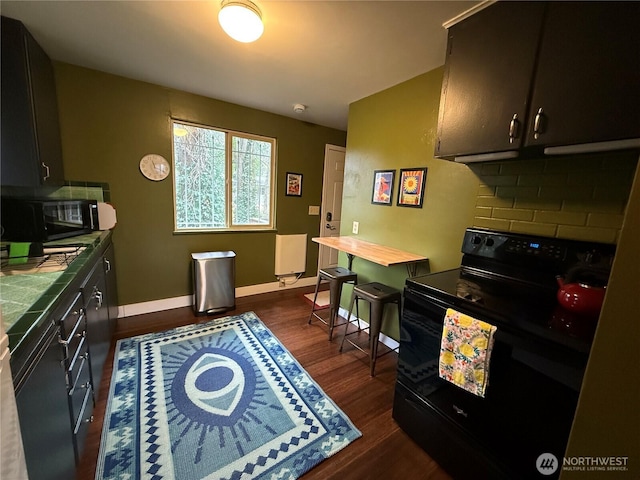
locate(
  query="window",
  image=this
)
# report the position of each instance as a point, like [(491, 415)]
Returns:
[(223, 180)]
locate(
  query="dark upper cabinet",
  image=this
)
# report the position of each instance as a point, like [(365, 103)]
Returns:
[(587, 81), (540, 76), (31, 152), (489, 64)]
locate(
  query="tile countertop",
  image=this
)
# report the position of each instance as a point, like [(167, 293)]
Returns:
[(26, 300)]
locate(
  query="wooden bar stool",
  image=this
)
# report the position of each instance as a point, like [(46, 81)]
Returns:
[(378, 295), (336, 276)]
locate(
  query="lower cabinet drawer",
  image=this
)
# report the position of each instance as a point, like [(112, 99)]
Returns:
[(79, 383), (82, 420), (78, 368), (70, 318), (73, 340)]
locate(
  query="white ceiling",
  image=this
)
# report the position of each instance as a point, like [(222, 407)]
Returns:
[(323, 54)]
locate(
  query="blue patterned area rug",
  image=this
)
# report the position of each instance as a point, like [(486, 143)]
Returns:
[(219, 400)]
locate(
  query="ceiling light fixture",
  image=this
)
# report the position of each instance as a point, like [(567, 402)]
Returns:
[(299, 108), (241, 20)]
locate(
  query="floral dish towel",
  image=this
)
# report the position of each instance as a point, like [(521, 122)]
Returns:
[(465, 352)]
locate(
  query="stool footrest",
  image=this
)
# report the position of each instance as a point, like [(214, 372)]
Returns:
[(325, 321), (390, 350)]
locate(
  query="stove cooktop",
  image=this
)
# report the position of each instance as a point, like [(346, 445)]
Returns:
[(511, 278)]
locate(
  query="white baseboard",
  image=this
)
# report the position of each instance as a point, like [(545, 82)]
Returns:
[(388, 341), (187, 300)]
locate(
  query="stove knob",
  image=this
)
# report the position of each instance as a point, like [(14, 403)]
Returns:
[(489, 242), (476, 240)]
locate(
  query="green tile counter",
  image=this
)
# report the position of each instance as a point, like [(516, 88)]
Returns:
[(59, 341), (28, 300)]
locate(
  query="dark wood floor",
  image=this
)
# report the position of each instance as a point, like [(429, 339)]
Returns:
[(383, 451)]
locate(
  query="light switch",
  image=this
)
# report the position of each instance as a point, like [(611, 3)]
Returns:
[(356, 226), (314, 210)]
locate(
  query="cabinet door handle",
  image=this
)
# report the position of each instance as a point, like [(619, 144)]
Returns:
[(46, 167), (108, 265), (513, 128), (538, 124), (98, 296)]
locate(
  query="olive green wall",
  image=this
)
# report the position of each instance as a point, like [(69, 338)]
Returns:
[(396, 129), (108, 123)]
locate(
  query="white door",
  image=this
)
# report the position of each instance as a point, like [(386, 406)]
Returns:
[(331, 208)]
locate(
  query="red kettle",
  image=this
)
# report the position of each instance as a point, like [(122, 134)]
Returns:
[(582, 297)]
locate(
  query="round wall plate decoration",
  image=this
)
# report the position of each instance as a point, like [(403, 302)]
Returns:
[(155, 167)]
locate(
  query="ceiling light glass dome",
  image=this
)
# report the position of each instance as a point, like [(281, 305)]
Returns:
[(241, 20)]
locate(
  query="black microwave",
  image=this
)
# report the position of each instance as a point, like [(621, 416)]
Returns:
[(32, 220)]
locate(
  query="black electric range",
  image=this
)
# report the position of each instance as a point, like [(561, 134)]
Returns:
[(537, 362)]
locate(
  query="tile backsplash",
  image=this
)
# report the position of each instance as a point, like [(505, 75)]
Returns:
[(578, 197), (86, 191), (71, 190)]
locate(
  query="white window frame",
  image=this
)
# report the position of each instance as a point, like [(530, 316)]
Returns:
[(229, 134)]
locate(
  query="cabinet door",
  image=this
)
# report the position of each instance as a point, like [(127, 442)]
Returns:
[(31, 151), (44, 416), (112, 287), (18, 151), (488, 70), (98, 327), (588, 77), (45, 113)]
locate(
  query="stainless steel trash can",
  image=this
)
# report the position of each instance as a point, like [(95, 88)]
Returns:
[(214, 276)]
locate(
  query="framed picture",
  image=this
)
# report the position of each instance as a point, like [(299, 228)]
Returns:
[(294, 184), (411, 187), (383, 187)]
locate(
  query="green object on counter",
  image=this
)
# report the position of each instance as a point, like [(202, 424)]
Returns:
[(18, 252)]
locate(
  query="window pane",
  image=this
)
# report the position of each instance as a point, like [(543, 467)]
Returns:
[(199, 173), (251, 181), (204, 186)]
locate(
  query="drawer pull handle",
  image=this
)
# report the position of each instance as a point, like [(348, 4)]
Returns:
[(460, 411), (68, 341)]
